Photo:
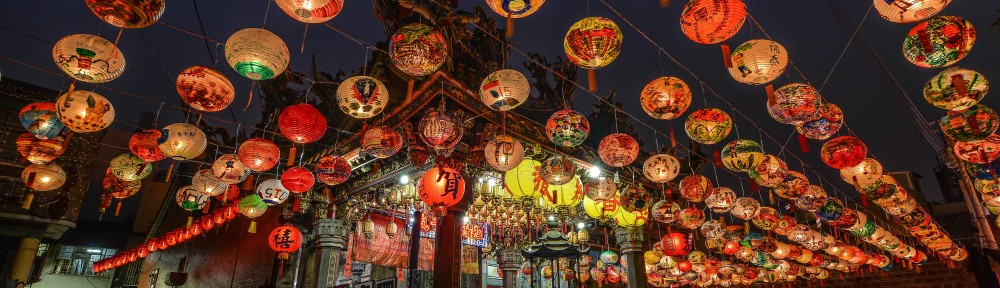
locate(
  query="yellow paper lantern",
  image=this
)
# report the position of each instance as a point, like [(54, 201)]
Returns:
[(183, 141), (593, 42), (88, 58), (603, 209), (311, 11), (524, 181), (565, 197), (758, 62), (257, 54), (631, 219), (43, 177), (84, 111)]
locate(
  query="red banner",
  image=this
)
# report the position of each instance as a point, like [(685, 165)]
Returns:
[(391, 251)]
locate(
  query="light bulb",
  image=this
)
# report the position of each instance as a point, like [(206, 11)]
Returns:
[(405, 179), (581, 225)]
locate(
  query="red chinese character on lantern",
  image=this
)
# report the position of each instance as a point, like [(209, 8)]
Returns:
[(285, 239)]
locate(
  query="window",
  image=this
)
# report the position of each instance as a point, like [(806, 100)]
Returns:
[(79, 260)]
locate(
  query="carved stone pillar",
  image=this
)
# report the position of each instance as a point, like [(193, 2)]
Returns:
[(509, 261), (631, 241), (330, 237)]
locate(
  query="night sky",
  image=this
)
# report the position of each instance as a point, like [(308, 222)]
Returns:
[(807, 30)]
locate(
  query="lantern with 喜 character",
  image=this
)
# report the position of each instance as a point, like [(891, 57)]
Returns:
[(978, 151), (665, 98), (695, 187), (770, 172), (441, 187), (272, 192), (956, 89), (843, 152), (592, 43), (906, 11), (742, 155), (381, 142), (259, 154), (311, 11), (417, 49), (661, 168), (758, 61), (40, 151), (794, 104), (939, 42), (145, 145), (975, 123), (182, 141), (252, 206), (298, 179), (84, 111), (332, 169), (824, 124), (129, 167), (505, 153), (708, 126), (228, 168), (567, 128), (88, 58), (618, 149), (128, 14), (285, 239), (41, 119), (257, 54), (504, 90), (712, 21), (362, 97)]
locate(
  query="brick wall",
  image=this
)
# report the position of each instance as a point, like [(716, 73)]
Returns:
[(932, 275)]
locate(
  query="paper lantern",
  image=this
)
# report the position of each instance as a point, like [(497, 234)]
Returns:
[(711, 21), (259, 154), (127, 14), (862, 175), (523, 182), (439, 130), (745, 208), (441, 187), (664, 211), (712, 230), (563, 198), (665, 98), (567, 128), (129, 167), (691, 217), (742, 155), (205, 89), (302, 123), (118, 188), (207, 183), (88, 58), (84, 111), (843, 152), (41, 119), (906, 11), (601, 188), (286, 238), (418, 50), (956, 89), (602, 210), (381, 142), (257, 54), (189, 198), (770, 172), (514, 8), (939, 42), (766, 219), (593, 42), (979, 151), (145, 145), (333, 169), (557, 170), (631, 219), (505, 89), (824, 124), (618, 149), (674, 244), (40, 151), (975, 123), (721, 199), (272, 192), (182, 141), (634, 198), (708, 126), (792, 186), (298, 179), (695, 187), (758, 61), (252, 206), (362, 97), (661, 168), (813, 198), (504, 153), (794, 104), (228, 168), (311, 11)]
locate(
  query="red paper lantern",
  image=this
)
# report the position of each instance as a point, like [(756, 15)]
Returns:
[(302, 123), (297, 179), (674, 244), (618, 149), (207, 222), (146, 145), (285, 239), (684, 265), (712, 21), (40, 151), (441, 187), (332, 169), (843, 152), (381, 142), (730, 248), (976, 151), (231, 194), (259, 154)]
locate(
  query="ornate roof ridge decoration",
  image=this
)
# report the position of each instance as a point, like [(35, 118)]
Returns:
[(552, 245)]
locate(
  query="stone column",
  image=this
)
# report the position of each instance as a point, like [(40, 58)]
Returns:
[(24, 260), (448, 250), (631, 241), (509, 261), (330, 236)]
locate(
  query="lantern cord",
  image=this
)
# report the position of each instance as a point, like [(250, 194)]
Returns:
[(302, 47), (365, 71), (201, 25), (844, 51), (266, 11)]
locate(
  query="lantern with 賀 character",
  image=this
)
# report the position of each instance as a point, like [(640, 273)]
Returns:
[(708, 126), (567, 128), (88, 58), (758, 61), (664, 211), (128, 14), (189, 198), (259, 154), (228, 168), (272, 192), (41, 119), (794, 104), (770, 172), (205, 89), (311, 11), (257, 54), (975, 123), (504, 90), (695, 187), (843, 152), (84, 111), (978, 151), (417, 49), (381, 142), (939, 42), (618, 149), (956, 89), (302, 123), (441, 187), (129, 167), (40, 151), (665, 98), (182, 141), (145, 145), (252, 206), (593, 42), (742, 155), (505, 153), (712, 21), (298, 179), (332, 169), (362, 97), (824, 124), (207, 183), (661, 168), (906, 11)]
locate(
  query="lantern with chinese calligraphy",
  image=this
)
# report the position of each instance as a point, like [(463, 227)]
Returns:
[(298, 179), (557, 170), (257, 54), (708, 125), (661, 168), (906, 11), (695, 187), (813, 198), (721, 199), (665, 98), (593, 42), (228, 168), (602, 210), (601, 188), (182, 141), (758, 61), (634, 198), (567, 128), (745, 208), (362, 97), (631, 219), (664, 211), (843, 152), (504, 153), (189, 198), (441, 187), (41, 119), (674, 244), (205, 89), (302, 123), (311, 11), (978, 151), (40, 151), (770, 172), (504, 90), (381, 142), (939, 42), (691, 217), (440, 130), (523, 181), (824, 124), (563, 198), (84, 111), (259, 154), (127, 14), (794, 104), (252, 206), (332, 169), (417, 49), (862, 175), (207, 183), (129, 167), (285, 239), (975, 123), (956, 89), (618, 149), (88, 58), (145, 145), (712, 21), (272, 192), (742, 155)]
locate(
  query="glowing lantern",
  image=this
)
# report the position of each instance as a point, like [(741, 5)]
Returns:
[(84, 111), (182, 141), (310, 11), (813, 198), (674, 244), (979, 151), (710, 21), (721, 199), (302, 123), (40, 151), (691, 217), (417, 49), (631, 219), (843, 152), (118, 188), (207, 183), (252, 207), (257, 54), (362, 97), (975, 123), (601, 210), (439, 130), (272, 192), (824, 124), (695, 187), (601, 188), (665, 98), (381, 142), (661, 168), (742, 155), (514, 8), (794, 104), (664, 211), (593, 42), (864, 174), (145, 145), (129, 167), (618, 149), (745, 208), (441, 187), (189, 198), (504, 90), (259, 154), (41, 119), (557, 170), (770, 172), (758, 61), (792, 186), (565, 197), (785, 225), (504, 153), (712, 230), (286, 238), (205, 89), (567, 128), (634, 198), (708, 126), (939, 41), (523, 181), (228, 168), (766, 219), (88, 58), (332, 169), (906, 11), (298, 179), (127, 14), (956, 89)]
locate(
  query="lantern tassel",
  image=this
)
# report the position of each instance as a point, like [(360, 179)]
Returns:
[(864, 200), (208, 204), (591, 80), (114, 47), (27, 201), (727, 58), (281, 267), (253, 227), (754, 187), (100, 214), (746, 227), (803, 143), (770, 197), (769, 90), (190, 219), (72, 88), (717, 158), (118, 208), (305, 32), (510, 26), (673, 141), (225, 196), (250, 100), (291, 156), (664, 3)]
